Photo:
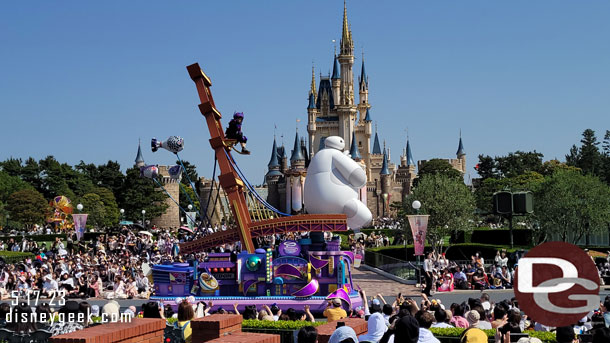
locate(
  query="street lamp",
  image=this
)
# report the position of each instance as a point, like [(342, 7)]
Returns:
[(143, 217), (122, 211), (416, 205), (190, 207), (79, 207)]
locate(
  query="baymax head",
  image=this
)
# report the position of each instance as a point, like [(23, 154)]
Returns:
[(334, 142)]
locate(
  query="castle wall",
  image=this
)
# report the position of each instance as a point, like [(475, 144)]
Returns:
[(171, 217)]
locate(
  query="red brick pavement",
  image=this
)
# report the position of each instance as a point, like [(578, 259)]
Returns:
[(374, 284)]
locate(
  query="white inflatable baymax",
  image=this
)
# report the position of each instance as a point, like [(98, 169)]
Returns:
[(333, 182)]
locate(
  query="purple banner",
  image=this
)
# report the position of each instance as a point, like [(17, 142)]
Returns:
[(419, 226), (80, 221)]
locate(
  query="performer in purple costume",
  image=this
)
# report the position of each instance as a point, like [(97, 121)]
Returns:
[(234, 131)]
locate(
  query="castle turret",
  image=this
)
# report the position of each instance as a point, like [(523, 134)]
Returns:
[(376, 145), (336, 79), (461, 155), (295, 178), (345, 104), (312, 112), (353, 151), (139, 158), (273, 176), (386, 180)]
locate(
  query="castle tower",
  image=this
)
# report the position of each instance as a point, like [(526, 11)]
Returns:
[(139, 159), (406, 172), (272, 177), (336, 79), (312, 112), (363, 91), (171, 217), (461, 156), (386, 179), (346, 108), (295, 178)]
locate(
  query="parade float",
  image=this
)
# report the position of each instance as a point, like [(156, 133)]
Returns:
[(307, 271)]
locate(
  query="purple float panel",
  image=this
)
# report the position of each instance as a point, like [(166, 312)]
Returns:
[(248, 284), (340, 294), (308, 290), (317, 263), (349, 255), (288, 269)]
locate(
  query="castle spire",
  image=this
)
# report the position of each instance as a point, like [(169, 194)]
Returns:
[(353, 151), (139, 159), (274, 162), (347, 45), (384, 166), (297, 155), (376, 145), (364, 80), (460, 151), (410, 161), (313, 82), (336, 71)]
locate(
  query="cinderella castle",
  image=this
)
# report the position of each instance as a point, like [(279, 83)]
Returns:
[(333, 111)]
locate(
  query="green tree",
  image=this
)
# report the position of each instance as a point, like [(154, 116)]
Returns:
[(11, 184), (53, 179), (437, 166), (12, 166), (587, 157), (110, 176), (518, 163), (486, 167), (27, 207), (449, 203), (139, 194), (94, 207), (606, 157), (572, 205), (111, 209)]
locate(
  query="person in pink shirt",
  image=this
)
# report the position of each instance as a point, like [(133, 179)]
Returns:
[(458, 319)]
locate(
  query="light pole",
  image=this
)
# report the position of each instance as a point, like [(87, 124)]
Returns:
[(189, 220), (416, 206), (122, 211), (143, 218), (79, 207)]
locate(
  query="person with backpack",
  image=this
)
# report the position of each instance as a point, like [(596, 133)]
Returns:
[(185, 315)]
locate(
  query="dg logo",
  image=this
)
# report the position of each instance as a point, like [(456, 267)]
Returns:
[(557, 284)]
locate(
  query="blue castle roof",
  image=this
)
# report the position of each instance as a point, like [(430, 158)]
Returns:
[(368, 115), (336, 71), (325, 87), (410, 160), (312, 102), (297, 155), (384, 166), (363, 77), (274, 161), (139, 157), (376, 145), (460, 149), (354, 148)]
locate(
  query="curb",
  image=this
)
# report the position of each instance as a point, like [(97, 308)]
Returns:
[(388, 275)]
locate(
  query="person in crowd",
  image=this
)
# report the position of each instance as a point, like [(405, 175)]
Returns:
[(343, 334), (473, 335), (458, 319), (153, 309), (376, 324), (334, 311), (441, 320), (185, 315), (307, 334), (565, 334), (425, 319)]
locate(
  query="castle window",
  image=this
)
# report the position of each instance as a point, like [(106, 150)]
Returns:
[(360, 144)]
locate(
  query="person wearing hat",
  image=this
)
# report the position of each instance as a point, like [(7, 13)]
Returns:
[(473, 318), (343, 334), (473, 335), (334, 311)]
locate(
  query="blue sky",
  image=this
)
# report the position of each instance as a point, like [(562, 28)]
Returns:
[(85, 80)]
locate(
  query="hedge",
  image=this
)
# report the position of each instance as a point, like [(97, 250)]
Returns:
[(10, 257), (277, 325), (547, 337)]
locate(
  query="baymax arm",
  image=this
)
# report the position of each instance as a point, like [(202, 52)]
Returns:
[(350, 170)]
